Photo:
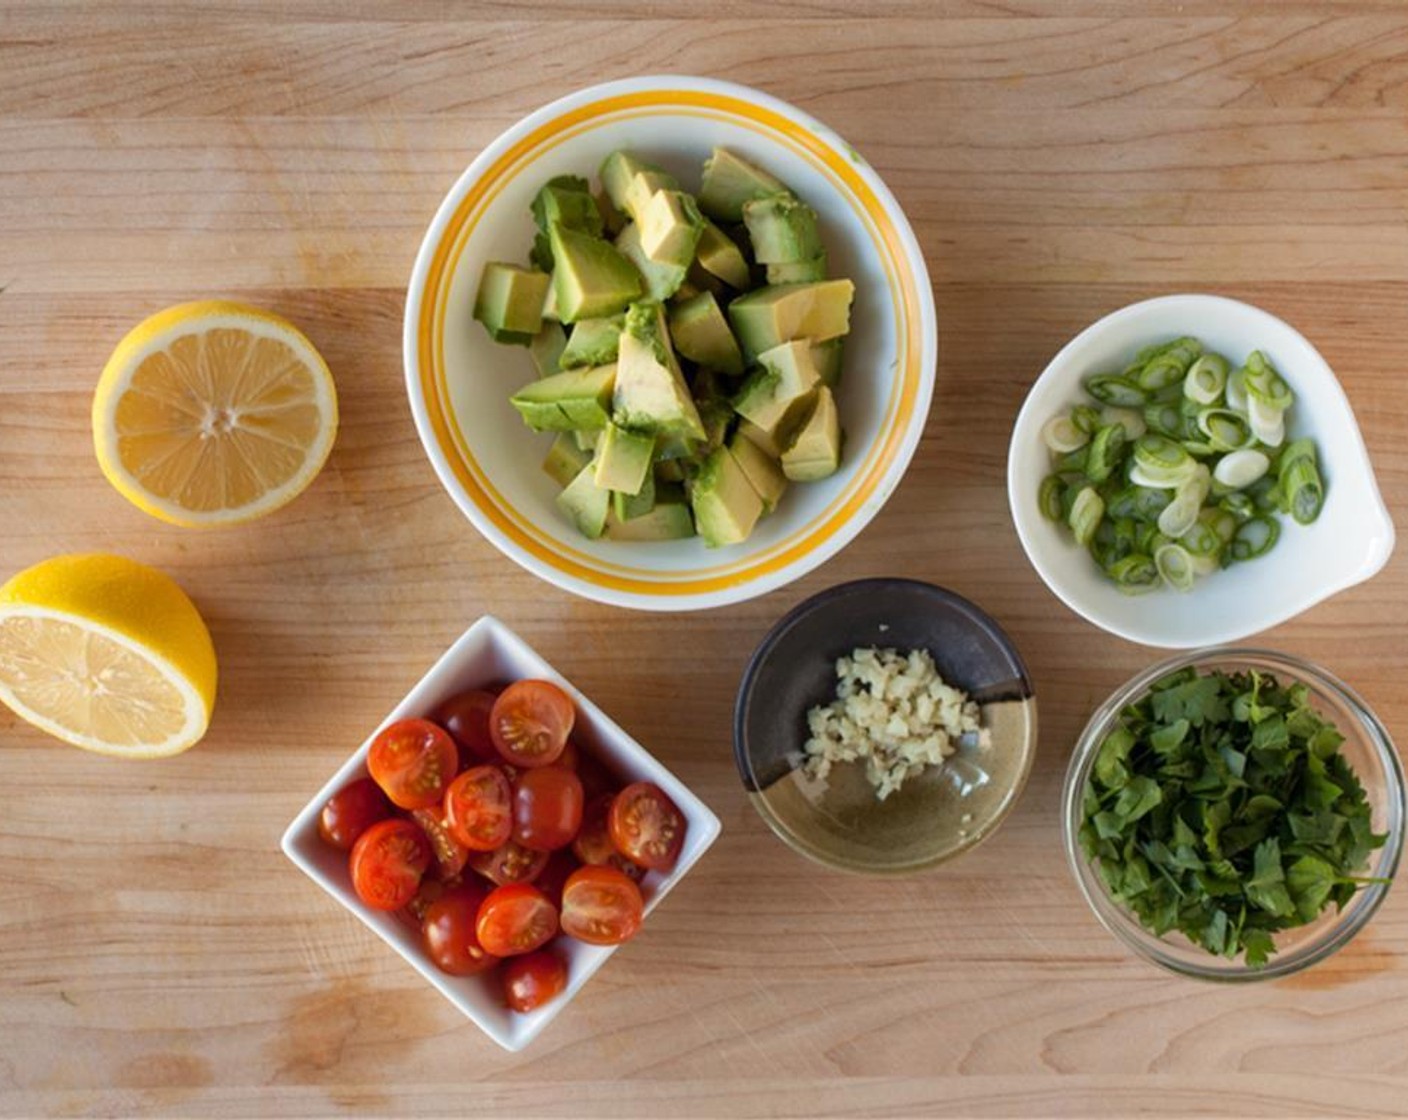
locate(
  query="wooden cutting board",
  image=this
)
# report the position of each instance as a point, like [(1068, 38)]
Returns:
[(1057, 159)]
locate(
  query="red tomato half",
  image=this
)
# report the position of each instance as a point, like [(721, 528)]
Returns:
[(516, 919), (350, 812), (448, 932), (530, 723), (466, 718), (450, 854), (511, 863), (593, 844), (478, 808), (387, 863), (547, 808), (413, 761), (646, 826), (601, 906), (533, 980)]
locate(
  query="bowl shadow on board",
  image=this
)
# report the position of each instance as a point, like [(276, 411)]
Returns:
[(945, 810)]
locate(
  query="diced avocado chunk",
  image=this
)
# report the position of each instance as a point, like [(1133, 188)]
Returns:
[(669, 471), (762, 440), (726, 507), (730, 181), (586, 503), (593, 342), (547, 346), (612, 220), (670, 225), (623, 459), (651, 394), (564, 402), (666, 521), (629, 181), (626, 506), (782, 229), (565, 459), (816, 451), (775, 396), (550, 303), (719, 256), (716, 415), (798, 272), (687, 290), (566, 201), (827, 358), (588, 438), (510, 302), (661, 280), (780, 313), (701, 333), (590, 277), (761, 468)]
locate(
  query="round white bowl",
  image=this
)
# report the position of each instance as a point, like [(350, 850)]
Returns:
[(459, 380), (1352, 539)]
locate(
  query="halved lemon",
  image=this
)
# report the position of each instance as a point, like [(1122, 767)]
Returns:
[(213, 413), (107, 654)]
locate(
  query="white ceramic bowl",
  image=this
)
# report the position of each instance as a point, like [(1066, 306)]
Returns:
[(1349, 543), (489, 651), (459, 381)]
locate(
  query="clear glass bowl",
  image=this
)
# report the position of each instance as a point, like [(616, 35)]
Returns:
[(1367, 747)]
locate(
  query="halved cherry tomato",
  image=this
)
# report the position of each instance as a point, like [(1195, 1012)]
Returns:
[(516, 919), (450, 854), (533, 980), (547, 808), (350, 812), (413, 761), (478, 808), (511, 863), (601, 906), (593, 845), (530, 723), (387, 863), (646, 826), (553, 877), (466, 717), (448, 932), (430, 890)]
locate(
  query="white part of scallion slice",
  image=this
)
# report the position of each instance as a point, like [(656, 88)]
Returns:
[(1181, 514), (1241, 468), (1268, 424), (1236, 390), (1206, 379), (1062, 436), (1127, 418), (1161, 462), (1141, 477), (1086, 514), (1175, 565)]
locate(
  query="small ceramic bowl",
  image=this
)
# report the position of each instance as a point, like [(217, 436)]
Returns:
[(1367, 748), (460, 381), (1349, 543), (934, 816), (490, 652)]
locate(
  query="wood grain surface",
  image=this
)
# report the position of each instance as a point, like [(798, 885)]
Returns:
[(1058, 158)]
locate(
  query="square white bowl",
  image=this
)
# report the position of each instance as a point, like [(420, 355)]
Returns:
[(490, 652), (1350, 541)]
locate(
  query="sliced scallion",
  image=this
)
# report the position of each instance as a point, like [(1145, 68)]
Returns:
[(1112, 389), (1105, 452), (1254, 538), (1207, 377), (1131, 420), (1086, 514), (1061, 435), (1241, 468), (1048, 498), (1176, 566), (1226, 430)]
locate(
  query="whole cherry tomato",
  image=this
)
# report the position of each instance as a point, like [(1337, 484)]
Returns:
[(350, 812), (448, 931), (553, 876), (466, 717), (530, 722), (547, 808), (533, 979), (413, 761)]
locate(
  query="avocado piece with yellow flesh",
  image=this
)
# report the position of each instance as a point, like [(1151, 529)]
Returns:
[(588, 438), (719, 256), (661, 280), (701, 333), (666, 521), (782, 229), (630, 181), (510, 302), (816, 451), (764, 318), (761, 468), (565, 459), (670, 225), (567, 201), (730, 181), (798, 272), (687, 290), (546, 348), (626, 506), (826, 356), (650, 392), (623, 459), (764, 441), (565, 402), (590, 277), (775, 397), (726, 507), (593, 342), (586, 503)]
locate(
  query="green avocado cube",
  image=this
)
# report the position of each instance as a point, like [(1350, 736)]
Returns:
[(593, 342), (547, 346), (815, 452), (587, 439), (650, 392), (565, 459), (629, 182), (798, 272), (701, 333), (762, 440), (661, 280), (566, 201), (783, 230), (826, 356), (730, 181), (780, 313), (510, 302), (666, 521), (776, 397), (670, 225), (726, 507), (623, 459), (586, 503), (761, 469), (687, 290), (624, 507), (565, 402), (720, 257), (590, 277)]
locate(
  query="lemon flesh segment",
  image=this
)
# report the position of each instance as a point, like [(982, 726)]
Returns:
[(214, 413), (93, 687)]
